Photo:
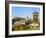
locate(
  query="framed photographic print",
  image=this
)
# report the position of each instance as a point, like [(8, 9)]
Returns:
[(25, 18)]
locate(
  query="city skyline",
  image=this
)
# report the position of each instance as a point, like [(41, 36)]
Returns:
[(24, 11)]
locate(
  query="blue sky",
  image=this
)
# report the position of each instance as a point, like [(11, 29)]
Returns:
[(24, 11)]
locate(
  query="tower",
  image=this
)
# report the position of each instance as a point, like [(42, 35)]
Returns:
[(35, 16)]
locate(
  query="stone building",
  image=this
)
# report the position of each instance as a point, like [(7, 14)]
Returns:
[(35, 16)]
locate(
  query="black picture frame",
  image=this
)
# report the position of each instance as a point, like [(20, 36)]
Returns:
[(7, 18)]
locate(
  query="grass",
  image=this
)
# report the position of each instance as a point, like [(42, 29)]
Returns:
[(26, 27)]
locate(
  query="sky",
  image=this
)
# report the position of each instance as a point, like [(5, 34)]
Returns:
[(24, 11)]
